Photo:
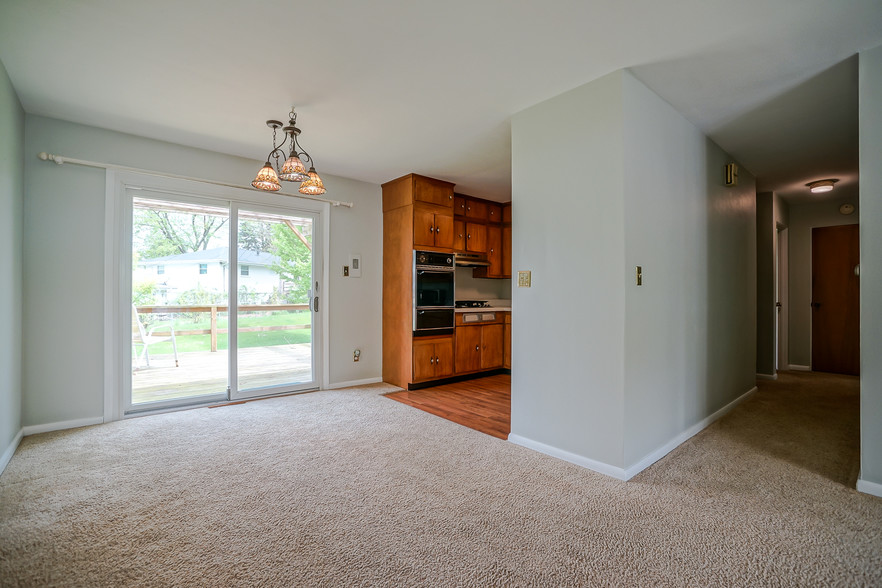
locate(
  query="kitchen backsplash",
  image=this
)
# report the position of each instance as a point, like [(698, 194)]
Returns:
[(469, 288)]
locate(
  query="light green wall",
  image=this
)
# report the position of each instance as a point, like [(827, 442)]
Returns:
[(64, 262), (871, 266), (606, 373), (11, 222)]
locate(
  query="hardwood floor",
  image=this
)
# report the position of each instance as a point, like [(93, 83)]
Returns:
[(483, 404)]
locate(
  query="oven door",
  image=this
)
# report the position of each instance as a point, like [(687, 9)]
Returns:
[(433, 321), (433, 288)]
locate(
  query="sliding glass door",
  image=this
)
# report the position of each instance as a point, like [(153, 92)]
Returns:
[(223, 296), (274, 284)]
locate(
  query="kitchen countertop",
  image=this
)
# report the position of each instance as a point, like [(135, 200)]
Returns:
[(486, 309)]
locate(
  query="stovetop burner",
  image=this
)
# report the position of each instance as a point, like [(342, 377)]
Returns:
[(472, 304)]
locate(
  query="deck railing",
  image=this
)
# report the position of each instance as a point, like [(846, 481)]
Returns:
[(216, 308)]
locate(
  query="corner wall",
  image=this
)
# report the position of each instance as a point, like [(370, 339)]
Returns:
[(568, 333), (64, 262), (607, 374), (690, 334), (870, 68), (11, 221)]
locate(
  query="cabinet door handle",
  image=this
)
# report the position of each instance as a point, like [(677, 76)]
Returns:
[(469, 236), (431, 229), (477, 347), (431, 360), (491, 250), (437, 361), (437, 230)]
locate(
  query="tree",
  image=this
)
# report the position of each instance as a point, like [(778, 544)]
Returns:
[(255, 236), (295, 262), (160, 232)]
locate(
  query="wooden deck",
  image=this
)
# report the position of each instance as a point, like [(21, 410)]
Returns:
[(483, 404), (204, 372)]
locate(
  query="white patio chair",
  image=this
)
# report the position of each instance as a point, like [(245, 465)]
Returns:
[(146, 338)]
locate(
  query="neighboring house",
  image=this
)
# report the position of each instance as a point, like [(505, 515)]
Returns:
[(208, 270)]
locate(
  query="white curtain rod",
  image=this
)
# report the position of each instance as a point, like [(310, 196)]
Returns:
[(59, 159)]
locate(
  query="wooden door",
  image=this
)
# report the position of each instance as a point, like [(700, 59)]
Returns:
[(459, 236), (432, 191), (506, 344), (491, 346), (835, 300), (494, 213), (476, 237), (423, 359), (494, 245), (444, 231), (444, 357), (476, 209), (468, 349), (423, 227)]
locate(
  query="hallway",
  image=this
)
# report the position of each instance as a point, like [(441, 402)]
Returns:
[(809, 419)]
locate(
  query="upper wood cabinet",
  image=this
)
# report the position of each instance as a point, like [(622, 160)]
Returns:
[(433, 191), (476, 209), (432, 227), (431, 204), (412, 188), (476, 237), (494, 213)]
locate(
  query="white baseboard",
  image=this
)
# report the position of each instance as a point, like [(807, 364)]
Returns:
[(579, 460), (352, 383), (665, 449), (61, 425), (799, 368), (10, 451), (869, 487), (628, 473), (767, 376)]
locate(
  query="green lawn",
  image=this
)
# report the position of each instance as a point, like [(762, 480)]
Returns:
[(248, 339)]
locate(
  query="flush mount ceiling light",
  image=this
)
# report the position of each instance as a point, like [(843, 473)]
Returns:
[(293, 169), (821, 186)]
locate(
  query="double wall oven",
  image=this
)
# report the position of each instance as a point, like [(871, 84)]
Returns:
[(433, 293)]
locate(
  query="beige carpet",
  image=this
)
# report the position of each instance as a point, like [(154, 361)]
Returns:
[(347, 488)]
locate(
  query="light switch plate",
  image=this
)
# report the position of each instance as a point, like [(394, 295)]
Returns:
[(524, 279), (354, 266)]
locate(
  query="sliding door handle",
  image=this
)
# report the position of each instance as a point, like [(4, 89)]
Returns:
[(315, 304)]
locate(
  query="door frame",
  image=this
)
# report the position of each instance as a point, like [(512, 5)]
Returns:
[(118, 259)]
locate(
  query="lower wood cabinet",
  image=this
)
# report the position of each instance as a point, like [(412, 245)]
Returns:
[(432, 358), (506, 346), (479, 347)]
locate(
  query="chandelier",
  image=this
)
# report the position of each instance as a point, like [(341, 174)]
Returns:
[(293, 169)]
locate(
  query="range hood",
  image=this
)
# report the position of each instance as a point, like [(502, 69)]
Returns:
[(472, 260)]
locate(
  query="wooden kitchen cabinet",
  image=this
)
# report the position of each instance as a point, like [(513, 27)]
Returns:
[(476, 237), (459, 205), (476, 209), (468, 349), (417, 214), (432, 227), (491, 346), (494, 213), (494, 254), (433, 191), (506, 343), (459, 236), (479, 347), (432, 358)]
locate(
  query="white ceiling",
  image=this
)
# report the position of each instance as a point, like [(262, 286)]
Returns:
[(388, 87)]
